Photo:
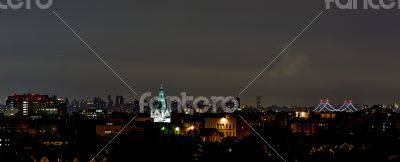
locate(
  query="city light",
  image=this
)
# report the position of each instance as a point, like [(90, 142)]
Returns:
[(200, 81), (223, 120)]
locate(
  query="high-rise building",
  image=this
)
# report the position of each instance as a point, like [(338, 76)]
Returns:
[(396, 104), (258, 101), (99, 104), (67, 101), (33, 104), (161, 113), (1, 109), (238, 101), (119, 100), (110, 102)]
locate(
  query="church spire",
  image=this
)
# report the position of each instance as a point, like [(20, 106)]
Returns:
[(161, 93), (162, 114)]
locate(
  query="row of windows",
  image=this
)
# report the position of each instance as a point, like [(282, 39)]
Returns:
[(46, 109), (223, 126), (229, 133)]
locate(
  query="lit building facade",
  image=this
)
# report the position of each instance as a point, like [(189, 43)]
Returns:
[(92, 113), (327, 115), (4, 139), (161, 114), (225, 125), (110, 129), (302, 114), (33, 104)]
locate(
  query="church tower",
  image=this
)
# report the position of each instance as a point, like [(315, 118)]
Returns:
[(161, 114)]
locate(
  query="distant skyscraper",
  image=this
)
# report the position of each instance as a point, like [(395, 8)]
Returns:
[(258, 101), (98, 103), (396, 104), (135, 106), (1, 108), (119, 100), (238, 100), (67, 101), (161, 113), (110, 102)]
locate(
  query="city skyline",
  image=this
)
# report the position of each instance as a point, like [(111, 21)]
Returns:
[(208, 50), (115, 99), (199, 80)]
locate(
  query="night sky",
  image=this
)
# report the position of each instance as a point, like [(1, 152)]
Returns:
[(203, 47)]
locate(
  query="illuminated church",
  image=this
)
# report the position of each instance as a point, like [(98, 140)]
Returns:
[(161, 114)]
